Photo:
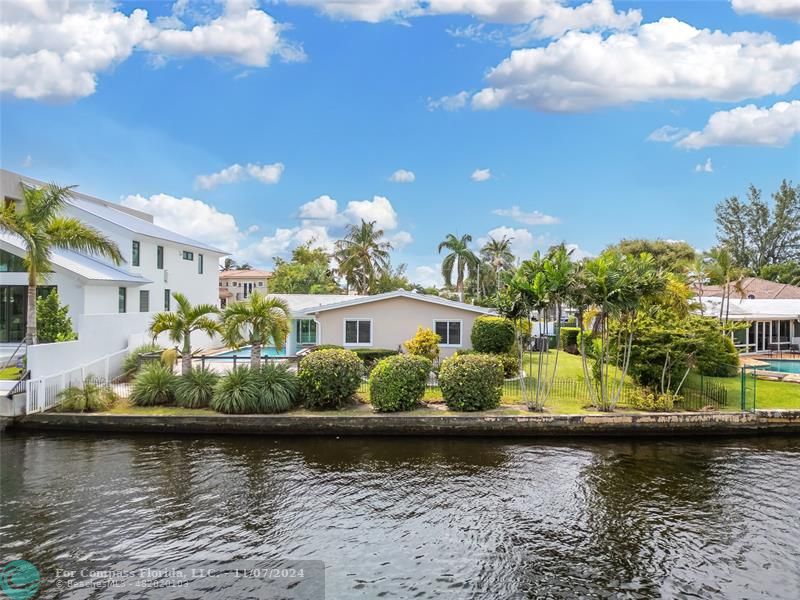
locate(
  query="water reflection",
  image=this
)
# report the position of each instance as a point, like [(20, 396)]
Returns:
[(403, 517)]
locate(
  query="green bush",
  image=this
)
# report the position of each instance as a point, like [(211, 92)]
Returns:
[(647, 400), (277, 388), (718, 357), (424, 343), (329, 378), (370, 356), (327, 347), (398, 382), (510, 361), (493, 335), (154, 385), (52, 320), (131, 363), (471, 382), (94, 396), (569, 339), (236, 392), (196, 388)]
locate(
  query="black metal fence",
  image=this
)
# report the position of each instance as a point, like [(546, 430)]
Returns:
[(705, 394)]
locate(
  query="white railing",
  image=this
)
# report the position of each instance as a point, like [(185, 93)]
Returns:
[(42, 393)]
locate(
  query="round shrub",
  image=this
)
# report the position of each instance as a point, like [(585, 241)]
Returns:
[(236, 392), (509, 361), (424, 343), (196, 388), (398, 382), (718, 357), (329, 378), (154, 385), (494, 335), (94, 396), (569, 339), (471, 382), (277, 389)]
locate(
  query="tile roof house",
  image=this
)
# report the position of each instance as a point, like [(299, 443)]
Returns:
[(753, 288)]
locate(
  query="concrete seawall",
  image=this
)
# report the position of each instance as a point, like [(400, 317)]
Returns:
[(642, 424)]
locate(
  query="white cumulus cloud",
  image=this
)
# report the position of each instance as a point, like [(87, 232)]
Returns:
[(403, 176), (190, 217), (449, 103), (379, 209), (55, 49), (479, 175), (667, 59), (667, 133), (401, 239), (428, 276), (323, 208), (236, 172), (528, 218), (748, 126), (779, 9), (706, 167)]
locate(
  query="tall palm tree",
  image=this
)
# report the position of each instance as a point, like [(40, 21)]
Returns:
[(724, 270), (256, 321), (42, 226), (498, 254), (180, 324), (460, 259), (362, 255)]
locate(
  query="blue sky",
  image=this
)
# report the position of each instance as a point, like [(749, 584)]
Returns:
[(306, 99)]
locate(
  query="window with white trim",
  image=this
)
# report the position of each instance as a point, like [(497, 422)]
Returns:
[(358, 332), (448, 331), (306, 332)]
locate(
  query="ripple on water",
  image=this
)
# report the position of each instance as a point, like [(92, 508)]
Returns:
[(420, 518)]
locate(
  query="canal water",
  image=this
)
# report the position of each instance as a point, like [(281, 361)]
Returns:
[(406, 518)]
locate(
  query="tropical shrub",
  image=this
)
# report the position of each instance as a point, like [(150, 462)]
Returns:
[(649, 401), (718, 357), (196, 388), (425, 343), (131, 363), (153, 385), (510, 361), (94, 396), (52, 320), (493, 335), (329, 378), (370, 356), (569, 339), (398, 382), (327, 347), (236, 392), (471, 381), (277, 388)]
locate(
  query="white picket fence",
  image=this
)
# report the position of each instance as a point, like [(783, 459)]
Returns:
[(42, 393)]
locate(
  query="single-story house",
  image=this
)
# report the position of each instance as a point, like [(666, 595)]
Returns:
[(379, 321), (750, 288), (774, 324)]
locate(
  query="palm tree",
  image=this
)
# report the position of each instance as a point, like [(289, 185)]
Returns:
[(362, 256), (256, 321), (180, 324), (229, 265), (498, 254), (724, 270), (40, 224), (461, 259)]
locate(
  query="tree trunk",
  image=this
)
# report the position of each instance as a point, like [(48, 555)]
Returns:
[(255, 356), (186, 354), (30, 327)]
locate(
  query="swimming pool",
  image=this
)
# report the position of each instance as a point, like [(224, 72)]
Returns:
[(245, 352), (783, 366)]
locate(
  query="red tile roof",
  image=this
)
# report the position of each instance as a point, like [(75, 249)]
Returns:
[(754, 288), (245, 274)]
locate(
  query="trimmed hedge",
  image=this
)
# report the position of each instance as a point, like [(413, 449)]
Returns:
[(569, 339), (329, 378), (471, 382), (370, 356), (398, 382), (510, 361), (494, 335)]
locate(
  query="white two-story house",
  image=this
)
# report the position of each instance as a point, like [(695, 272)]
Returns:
[(107, 302)]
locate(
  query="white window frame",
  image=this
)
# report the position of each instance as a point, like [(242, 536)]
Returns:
[(344, 331), (461, 327)]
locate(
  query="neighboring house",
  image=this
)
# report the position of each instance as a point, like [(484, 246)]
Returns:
[(774, 324), (239, 284), (751, 288), (380, 321), (107, 303)]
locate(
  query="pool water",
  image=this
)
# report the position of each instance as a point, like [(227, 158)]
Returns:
[(784, 366), (245, 352)]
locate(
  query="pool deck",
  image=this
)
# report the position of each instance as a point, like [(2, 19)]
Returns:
[(762, 368), (368, 424)]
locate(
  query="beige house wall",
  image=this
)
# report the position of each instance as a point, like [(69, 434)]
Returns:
[(394, 321)]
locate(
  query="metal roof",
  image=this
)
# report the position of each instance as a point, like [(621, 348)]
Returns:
[(355, 300), (81, 265)]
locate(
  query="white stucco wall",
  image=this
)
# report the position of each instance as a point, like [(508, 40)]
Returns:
[(394, 321)]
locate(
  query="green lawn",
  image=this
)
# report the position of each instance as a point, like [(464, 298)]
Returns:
[(11, 373), (769, 394)]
